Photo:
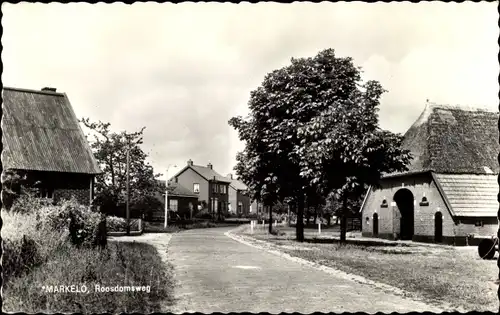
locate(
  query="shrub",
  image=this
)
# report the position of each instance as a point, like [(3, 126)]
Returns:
[(204, 214), (81, 222), (116, 224), (27, 203)]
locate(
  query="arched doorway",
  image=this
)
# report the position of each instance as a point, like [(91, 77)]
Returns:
[(405, 202), (375, 224), (438, 227)]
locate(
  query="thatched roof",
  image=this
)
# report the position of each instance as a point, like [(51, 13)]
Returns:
[(454, 140), (40, 132)]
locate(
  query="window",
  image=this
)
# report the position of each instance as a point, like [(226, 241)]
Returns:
[(222, 189), (214, 188), (173, 205), (240, 207), (196, 188), (216, 204), (46, 193)]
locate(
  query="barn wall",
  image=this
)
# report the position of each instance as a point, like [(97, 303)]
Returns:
[(466, 226), (424, 215)]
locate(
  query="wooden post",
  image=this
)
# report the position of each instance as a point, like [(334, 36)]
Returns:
[(128, 190), (165, 223)]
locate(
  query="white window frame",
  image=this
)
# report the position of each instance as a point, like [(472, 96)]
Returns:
[(173, 205), (196, 188)]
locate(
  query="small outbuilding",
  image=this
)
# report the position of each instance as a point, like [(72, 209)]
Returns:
[(43, 141)]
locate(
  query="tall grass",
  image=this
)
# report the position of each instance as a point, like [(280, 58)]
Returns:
[(38, 251)]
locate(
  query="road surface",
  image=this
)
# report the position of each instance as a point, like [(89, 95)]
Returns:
[(217, 274)]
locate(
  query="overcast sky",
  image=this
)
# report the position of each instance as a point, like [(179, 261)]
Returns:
[(182, 70)]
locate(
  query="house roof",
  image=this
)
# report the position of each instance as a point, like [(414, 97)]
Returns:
[(454, 140), (237, 184), (179, 190), (205, 172), (40, 132), (470, 195)]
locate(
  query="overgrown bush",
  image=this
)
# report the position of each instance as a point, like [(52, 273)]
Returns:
[(27, 203), (204, 214), (116, 224), (81, 222)]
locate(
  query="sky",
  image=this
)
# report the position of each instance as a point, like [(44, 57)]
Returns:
[(183, 70)]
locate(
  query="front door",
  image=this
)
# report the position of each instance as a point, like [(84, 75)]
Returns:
[(375, 224), (438, 227)]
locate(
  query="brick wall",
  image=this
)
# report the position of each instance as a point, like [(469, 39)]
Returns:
[(389, 218), (65, 185)]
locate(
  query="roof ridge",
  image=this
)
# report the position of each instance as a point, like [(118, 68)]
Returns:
[(468, 108), (33, 91)]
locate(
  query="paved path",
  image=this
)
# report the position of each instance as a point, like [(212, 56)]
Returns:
[(218, 274)]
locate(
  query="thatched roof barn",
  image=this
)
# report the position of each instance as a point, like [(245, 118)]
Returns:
[(452, 179)]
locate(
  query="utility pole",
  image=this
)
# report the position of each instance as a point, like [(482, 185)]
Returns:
[(165, 224), (128, 189)]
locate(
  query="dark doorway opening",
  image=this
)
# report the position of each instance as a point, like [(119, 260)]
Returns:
[(405, 201), (375, 224), (438, 227)]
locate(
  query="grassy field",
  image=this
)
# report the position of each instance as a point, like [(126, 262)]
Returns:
[(39, 254), (437, 274), (123, 264)]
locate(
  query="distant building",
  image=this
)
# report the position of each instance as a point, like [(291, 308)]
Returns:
[(43, 140), (239, 200), (181, 201), (449, 193), (210, 187)]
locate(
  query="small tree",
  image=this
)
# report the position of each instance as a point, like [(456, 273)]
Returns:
[(110, 150)]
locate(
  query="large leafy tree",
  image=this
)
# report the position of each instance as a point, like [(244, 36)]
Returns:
[(343, 148), (313, 129), (110, 150)]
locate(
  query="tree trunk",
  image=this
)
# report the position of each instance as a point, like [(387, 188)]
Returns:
[(315, 215), (299, 227), (329, 218), (343, 223), (270, 219)]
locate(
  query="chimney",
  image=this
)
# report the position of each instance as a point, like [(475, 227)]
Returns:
[(49, 89), (190, 162), (176, 180), (209, 165), (230, 175)]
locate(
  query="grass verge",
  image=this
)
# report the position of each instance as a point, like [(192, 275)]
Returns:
[(437, 274), (120, 264)]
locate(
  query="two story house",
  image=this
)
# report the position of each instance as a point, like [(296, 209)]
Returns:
[(210, 187), (239, 200)]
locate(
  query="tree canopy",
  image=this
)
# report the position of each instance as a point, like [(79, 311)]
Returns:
[(313, 129), (110, 150)]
